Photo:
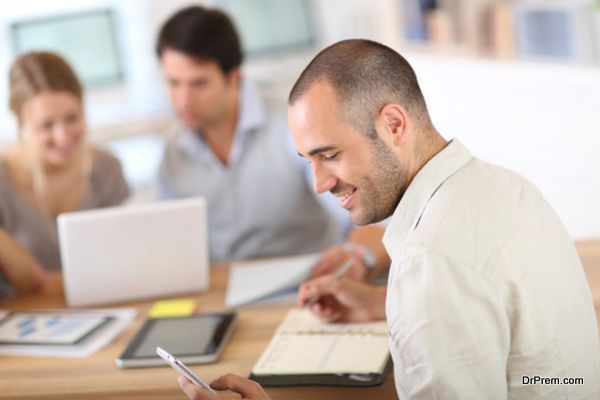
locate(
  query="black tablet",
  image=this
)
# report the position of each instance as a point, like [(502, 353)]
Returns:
[(196, 339)]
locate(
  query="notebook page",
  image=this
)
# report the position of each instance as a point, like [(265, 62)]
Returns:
[(323, 354), (301, 320)]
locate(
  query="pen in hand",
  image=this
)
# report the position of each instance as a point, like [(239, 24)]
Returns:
[(337, 275)]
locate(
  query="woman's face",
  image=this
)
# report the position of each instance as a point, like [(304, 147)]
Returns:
[(53, 126)]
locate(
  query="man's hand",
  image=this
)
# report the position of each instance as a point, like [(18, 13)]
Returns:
[(246, 388), (343, 299), (333, 257)]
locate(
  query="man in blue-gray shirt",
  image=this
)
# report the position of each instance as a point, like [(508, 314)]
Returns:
[(235, 150)]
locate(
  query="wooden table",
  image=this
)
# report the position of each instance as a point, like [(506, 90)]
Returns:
[(97, 377)]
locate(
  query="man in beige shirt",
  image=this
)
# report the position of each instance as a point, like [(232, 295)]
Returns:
[(486, 297)]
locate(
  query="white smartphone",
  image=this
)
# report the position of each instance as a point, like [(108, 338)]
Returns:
[(182, 369)]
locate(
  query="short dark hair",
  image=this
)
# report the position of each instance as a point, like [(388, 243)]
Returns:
[(364, 75), (202, 33)]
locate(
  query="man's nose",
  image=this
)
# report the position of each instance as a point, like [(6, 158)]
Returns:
[(182, 97), (323, 180)]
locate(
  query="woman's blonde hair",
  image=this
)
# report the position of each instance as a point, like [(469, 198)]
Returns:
[(31, 74), (36, 72)]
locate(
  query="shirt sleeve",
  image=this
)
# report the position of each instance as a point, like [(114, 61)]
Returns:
[(449, 334), (162, 182), (114, 189), (6, 290)]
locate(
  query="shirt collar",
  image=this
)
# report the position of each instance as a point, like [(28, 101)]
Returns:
[(422, 188), (252, 115)]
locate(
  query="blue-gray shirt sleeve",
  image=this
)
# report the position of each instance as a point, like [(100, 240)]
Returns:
[(163, 182)]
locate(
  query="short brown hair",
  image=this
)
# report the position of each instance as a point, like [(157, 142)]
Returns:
[(35, 72), (364, 75), (204, 34)]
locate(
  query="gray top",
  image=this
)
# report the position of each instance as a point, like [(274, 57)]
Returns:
[(260, 204), (36, 230)]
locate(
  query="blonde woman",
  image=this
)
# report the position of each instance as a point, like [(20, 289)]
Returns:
[(50, 171)]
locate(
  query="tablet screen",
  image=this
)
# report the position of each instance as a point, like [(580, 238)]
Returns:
[(185, 337)]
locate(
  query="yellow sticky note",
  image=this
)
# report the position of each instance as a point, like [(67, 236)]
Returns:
[(172, 308)]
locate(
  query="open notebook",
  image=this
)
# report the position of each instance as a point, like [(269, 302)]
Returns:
[(306, 351)]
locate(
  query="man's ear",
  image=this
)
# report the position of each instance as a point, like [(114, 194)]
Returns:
[(234, 76), (393, 119)]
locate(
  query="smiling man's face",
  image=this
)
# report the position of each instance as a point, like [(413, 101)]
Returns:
[(363, 173)]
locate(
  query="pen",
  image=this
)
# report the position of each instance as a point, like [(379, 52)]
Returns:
[(337, 275)]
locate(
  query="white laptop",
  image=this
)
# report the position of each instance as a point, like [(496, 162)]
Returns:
[(119, 254)]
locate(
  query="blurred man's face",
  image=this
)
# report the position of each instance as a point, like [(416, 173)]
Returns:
[(200, 92), (364, 174)]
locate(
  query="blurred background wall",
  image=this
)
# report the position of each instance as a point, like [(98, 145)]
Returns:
[(517, 81)]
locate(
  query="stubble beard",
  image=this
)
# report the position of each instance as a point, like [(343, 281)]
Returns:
[(383, 188)]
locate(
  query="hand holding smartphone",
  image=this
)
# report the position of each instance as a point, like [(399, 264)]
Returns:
[(182, 369)]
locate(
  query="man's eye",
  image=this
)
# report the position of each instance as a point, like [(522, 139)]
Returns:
[(45, 126), (72, 118), (330, 158)]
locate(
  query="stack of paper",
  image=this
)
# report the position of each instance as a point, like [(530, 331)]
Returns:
[(61, 333), (258, 280)]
